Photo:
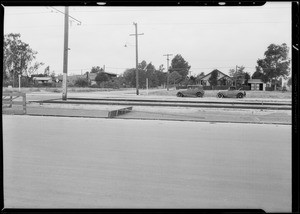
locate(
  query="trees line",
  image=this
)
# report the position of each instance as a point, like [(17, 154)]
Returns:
[(19, 59)]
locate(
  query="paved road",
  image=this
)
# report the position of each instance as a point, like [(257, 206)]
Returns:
[(57, 162)]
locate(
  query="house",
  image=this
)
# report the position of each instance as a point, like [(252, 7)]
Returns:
[(257, 85), (89, 76), (41, 80), (222, 79)]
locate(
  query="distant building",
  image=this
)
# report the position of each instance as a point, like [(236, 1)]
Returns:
[(41, 80), (89, 76), (222, 79), (257, 85)]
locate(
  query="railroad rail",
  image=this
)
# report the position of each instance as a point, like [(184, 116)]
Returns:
[(173, 103)]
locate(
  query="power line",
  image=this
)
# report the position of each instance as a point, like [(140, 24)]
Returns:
[(174, 23), (79, 22)]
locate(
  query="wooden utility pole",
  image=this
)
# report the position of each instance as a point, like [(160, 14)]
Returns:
[(168, 72), (136, 59), (66, 48), (236, 68)]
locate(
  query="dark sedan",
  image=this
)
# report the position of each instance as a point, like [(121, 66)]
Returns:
[(231, 92), (192, 90)]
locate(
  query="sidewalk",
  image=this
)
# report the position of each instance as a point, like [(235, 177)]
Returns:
[(163, 113)]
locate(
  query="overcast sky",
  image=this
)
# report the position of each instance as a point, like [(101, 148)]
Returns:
[(207, 37)]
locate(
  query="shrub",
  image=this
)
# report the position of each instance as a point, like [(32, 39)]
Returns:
[(81, 82)]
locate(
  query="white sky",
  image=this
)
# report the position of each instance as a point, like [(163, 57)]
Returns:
[(207, 37)]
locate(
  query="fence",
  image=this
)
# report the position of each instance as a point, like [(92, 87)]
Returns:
[(9, 101)]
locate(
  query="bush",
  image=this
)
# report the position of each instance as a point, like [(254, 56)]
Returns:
[(269, 89), (81, 82)]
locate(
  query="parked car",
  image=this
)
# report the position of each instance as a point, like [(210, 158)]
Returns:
[(231, 92), (192, 90)]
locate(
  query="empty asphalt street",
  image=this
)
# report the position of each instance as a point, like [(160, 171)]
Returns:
[(63, 162)]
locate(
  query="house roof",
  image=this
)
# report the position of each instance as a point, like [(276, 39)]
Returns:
[(224, 75), (42, 78)]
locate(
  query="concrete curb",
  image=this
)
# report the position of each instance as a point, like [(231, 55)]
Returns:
[(173, 104)]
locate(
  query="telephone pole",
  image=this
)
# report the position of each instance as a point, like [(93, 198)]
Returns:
[(66, 48), (167, 55), (236, 68), (136, 60)]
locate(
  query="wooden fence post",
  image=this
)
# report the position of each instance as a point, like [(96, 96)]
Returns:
[(10, 102), (24, 103)]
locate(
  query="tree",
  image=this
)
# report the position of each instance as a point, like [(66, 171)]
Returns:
[(146, 70), (275, 64), (17, 57), (81, 82), (161, 75), (150, 73), (175, 77), (247, 77), (96, 69), (258, 74), (129, 77), (213, 79), (180, 65), (192, 80), (199, 76), (238, 75), (47, 71), (101, 77)]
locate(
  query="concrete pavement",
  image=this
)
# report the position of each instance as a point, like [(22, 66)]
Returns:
[(62, 162)]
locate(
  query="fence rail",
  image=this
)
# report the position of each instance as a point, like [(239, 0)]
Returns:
[(9, 100)]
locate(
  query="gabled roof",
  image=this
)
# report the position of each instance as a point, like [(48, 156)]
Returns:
[(225, 75), (42, 78)]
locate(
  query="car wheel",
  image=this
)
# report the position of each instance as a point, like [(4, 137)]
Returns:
[(179, 94), (199, 94), (219, 95), (240, 95)]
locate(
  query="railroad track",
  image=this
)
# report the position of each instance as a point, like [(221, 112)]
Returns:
[(174, 103)]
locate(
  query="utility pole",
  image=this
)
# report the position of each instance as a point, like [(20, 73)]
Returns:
[(66, 48), (65, 62), (236, 68), (167, 55), (137, 61)]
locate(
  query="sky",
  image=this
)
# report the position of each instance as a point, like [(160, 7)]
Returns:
[(207, 38)]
